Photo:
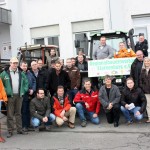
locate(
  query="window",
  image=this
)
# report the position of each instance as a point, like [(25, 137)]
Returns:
[(53, 41), (82, 31), (39, 41)]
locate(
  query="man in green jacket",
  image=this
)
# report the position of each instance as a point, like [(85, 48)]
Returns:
[(16, 84)]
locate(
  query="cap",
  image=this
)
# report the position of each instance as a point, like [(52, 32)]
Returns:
[(14, 59)]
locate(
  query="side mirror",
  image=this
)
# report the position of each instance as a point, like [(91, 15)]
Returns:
[(131, 31)]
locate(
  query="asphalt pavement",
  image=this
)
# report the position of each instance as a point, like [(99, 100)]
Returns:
[(93, 137)]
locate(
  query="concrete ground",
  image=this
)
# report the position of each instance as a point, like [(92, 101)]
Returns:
[(92, 137)]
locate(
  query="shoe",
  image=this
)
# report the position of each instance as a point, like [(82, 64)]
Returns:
[(71, 125), (147, 121), (21, 132), (116, 124), (129, 122), (36, 129), (48, 128), (83, 123), (25, 129), (9, 134)]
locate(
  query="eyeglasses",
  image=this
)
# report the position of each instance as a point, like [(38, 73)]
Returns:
[(41, 93)]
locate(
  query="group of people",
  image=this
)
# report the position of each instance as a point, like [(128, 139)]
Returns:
[(39, 96)]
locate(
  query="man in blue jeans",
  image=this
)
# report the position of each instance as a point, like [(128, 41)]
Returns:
[(40, 111), (87, 103)]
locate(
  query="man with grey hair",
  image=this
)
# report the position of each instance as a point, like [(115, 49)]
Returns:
[(16, 85), (103, 51), (109, 96)]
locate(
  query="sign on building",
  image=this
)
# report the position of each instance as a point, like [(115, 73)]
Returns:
[(120, 66)]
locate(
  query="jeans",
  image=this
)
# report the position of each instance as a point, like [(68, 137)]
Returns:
[(36, 122), (25, 111), (82, 111), (127, 112), (72, 94), (0, 105)]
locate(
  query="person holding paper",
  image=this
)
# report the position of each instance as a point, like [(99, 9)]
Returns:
[(133, 101)]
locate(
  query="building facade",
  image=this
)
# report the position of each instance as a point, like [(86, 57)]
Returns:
[(61, 22)]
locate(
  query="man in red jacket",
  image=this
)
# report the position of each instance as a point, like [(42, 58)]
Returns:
[(87, 103), (62, 108)]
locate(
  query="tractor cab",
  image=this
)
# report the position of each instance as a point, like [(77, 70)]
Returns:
[(29, 53)]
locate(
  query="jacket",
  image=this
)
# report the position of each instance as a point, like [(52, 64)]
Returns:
[(145, 81), (41, 79), (122, 53), (7, 82), (74, 75), (40, 108), (91, 98), (114, 96), (85, 65), (57, 108), (3, 95), (106, 52), (135, 72), (142, 46), (54, 80), (135, 96), (31, 80)]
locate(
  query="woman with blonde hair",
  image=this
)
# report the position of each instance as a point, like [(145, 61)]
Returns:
[(145, 83)]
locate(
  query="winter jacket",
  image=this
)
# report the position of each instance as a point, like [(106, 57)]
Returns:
[(3, 95), (7, 82), (142, 46), (31, 80), (74, 75), (135, 72), (41, 79), (135, 96), (40, 108), (57, 108), (145, 81), (84, 64), (55, 80), (91, 98), (122, 53), (114, 96)]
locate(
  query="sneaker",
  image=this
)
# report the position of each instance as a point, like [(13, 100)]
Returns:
[(9, 134), (83, 123), (21, 132), (129, 122), (25, 129), (116, 124), (36, 129), (48, 128)]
